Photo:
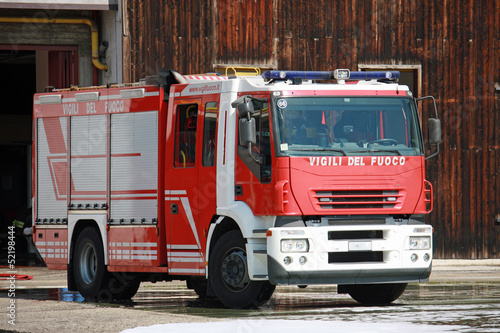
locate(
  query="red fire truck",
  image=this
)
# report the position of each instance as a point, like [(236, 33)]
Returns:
[(235, 184)]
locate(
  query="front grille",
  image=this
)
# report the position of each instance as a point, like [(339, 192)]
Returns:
[(357, 199), (343, 257), (355, 234)]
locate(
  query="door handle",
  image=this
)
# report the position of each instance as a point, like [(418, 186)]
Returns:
[(174, 209)]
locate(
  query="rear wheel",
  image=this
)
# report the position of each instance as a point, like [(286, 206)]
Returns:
[(91, 275), (375, 294), (92, 278), (123, 286), (228, 274)]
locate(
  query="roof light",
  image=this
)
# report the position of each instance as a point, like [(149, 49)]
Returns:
[(341, 74), (376, 75), (50, 99), (305, 75), (87, 96), (132, 93), (338, 74)]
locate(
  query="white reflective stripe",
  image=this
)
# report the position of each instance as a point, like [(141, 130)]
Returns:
[(40, 243), (175, 192), (50, 243), (146, 94), (172, 199), (138, 195), (145, 257), (108, 97), (182, 247), (187, 270), (179, 259), (149, 244), (86, 196), (185, 254), (205, 78), (144, 252), (189, 214)]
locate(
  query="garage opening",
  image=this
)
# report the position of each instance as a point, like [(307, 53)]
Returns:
[(25, 70)]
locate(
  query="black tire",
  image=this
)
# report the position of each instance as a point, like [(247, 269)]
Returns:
[(91, 275), (376, 294), (123, 286), (228, 274), (199, 285), (92, 278)]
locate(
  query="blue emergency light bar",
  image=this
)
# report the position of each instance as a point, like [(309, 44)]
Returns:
[(305, 75), (338, 74)]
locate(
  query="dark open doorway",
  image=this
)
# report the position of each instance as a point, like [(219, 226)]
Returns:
[(25, 70)]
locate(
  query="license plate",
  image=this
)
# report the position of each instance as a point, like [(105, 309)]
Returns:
[(360, 246)]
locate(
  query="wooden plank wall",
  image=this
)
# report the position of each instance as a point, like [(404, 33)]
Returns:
[(456, 43)]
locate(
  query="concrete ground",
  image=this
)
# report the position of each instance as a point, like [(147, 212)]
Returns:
[(56, 316)]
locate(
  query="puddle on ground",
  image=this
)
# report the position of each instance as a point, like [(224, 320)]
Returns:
[(471, 306), (46, 294)]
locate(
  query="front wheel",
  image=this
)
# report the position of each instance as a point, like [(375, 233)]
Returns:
[(375, 294), (228, 274)]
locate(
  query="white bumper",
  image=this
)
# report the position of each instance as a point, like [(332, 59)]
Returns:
[(351, 254)]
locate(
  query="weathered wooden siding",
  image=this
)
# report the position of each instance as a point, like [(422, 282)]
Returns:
[(456, 43)]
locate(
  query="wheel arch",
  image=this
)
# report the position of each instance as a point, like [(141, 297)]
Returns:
[(77, 223), (218, 228), (253, 229)]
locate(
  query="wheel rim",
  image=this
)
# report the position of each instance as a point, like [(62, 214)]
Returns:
[(234, 269), (88, 263)]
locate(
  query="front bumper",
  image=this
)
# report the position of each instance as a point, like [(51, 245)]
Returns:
[(386, 257)]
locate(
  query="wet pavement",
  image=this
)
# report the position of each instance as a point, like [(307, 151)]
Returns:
[(465, 307), (461, 303)]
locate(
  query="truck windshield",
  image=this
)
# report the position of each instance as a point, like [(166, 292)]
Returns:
[(346, 126)]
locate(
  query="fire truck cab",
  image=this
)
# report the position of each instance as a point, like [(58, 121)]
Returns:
[(235, 184)]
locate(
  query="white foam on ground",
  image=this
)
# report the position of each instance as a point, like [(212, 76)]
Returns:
[(292, 326)]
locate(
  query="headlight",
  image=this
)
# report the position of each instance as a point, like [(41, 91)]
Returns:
[(420, 243), (294, 245)]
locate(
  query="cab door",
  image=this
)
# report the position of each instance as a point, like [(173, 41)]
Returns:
[(184, 247)]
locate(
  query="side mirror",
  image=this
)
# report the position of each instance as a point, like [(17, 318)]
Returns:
[(247, 131), (246, 125), (434, 131), (434, 127), (244, 105)]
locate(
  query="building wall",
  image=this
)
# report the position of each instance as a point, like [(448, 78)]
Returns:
[(51, 34), (455, 43)]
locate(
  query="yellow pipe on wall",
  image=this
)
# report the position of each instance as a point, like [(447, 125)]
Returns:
[(90, 23)]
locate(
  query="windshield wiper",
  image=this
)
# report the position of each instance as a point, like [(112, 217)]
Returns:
[(377, 151), (319, 149)]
